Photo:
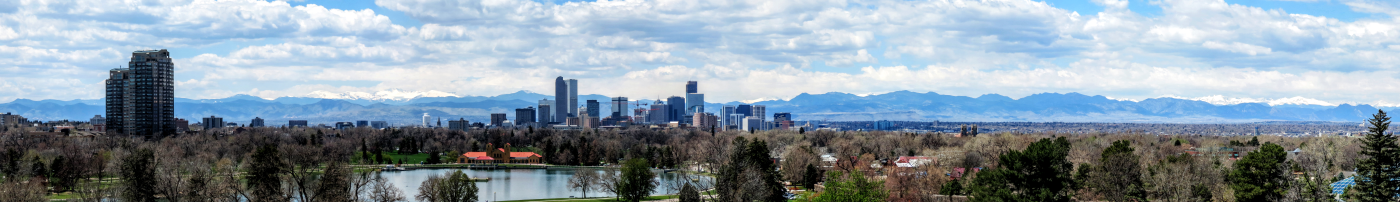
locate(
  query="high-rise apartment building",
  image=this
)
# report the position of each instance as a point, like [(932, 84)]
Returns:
[(141, 97), (561, 100), (592, 106), (692, 87), (524, 116), (573, 97), (212, 122), (760, 111), (619, 107), (257, 122)]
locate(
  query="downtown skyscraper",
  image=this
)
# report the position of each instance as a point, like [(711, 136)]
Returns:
[(561, 100), (141, 97)]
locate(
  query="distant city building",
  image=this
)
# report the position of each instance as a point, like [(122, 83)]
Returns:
[(782, 116), (692, 87), (573, 97), (545, 111), (704, 121), (460, 124), (257, 122), (752, 123), (619, 107), (760, 111), (141, 98), (738, 121), (497, 118), (746, 110), (884, 125), (296, 123), (592, 106), (98, 123), (425, 120), (362, 123), (659, 113), (677, 111), (373, 124), (213, 122), (694, 103), (230, 124), (344, 125), (524, 116), (182, 125), (724, 113), (561, 100)]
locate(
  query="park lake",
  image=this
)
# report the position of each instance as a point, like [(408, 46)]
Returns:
[(523, 184)]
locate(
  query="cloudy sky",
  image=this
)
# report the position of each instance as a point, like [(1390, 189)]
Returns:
[(1324, 51)]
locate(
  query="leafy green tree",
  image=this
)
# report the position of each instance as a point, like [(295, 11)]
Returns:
[(1119, 175), (455, 187), (1259, 176), (265, 174), (852, 187), (1201, 192), (1039, 173), (138, 176), (1379, 169), (637, 180)]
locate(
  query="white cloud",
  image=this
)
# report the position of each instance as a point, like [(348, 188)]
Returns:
[(740, 50)]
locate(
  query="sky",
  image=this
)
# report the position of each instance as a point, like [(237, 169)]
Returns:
[(1313, 51)]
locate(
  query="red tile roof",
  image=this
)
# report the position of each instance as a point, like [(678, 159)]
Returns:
[(523, 154), (474, 154)]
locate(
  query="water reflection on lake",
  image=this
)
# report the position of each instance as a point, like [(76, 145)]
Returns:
[(517, 184)]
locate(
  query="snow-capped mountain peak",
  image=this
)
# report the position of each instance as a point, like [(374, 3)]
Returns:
[(1222, 100), (391, 94)]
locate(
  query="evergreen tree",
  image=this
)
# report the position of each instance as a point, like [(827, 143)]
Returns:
[(953, 187), (38, 168), (1259, 176), (689, 194), (138, 176), (811, 177), (265, 174), (1118, 177), (433, 158), (1039, 173), (1379, 169)]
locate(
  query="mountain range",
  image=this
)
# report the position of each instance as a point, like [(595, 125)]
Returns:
[(407, 108)]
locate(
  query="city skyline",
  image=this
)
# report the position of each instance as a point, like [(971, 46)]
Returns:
[(1324, 52)]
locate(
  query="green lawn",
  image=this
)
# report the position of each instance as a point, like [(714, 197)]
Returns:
[(652, 198), (408, 158)]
